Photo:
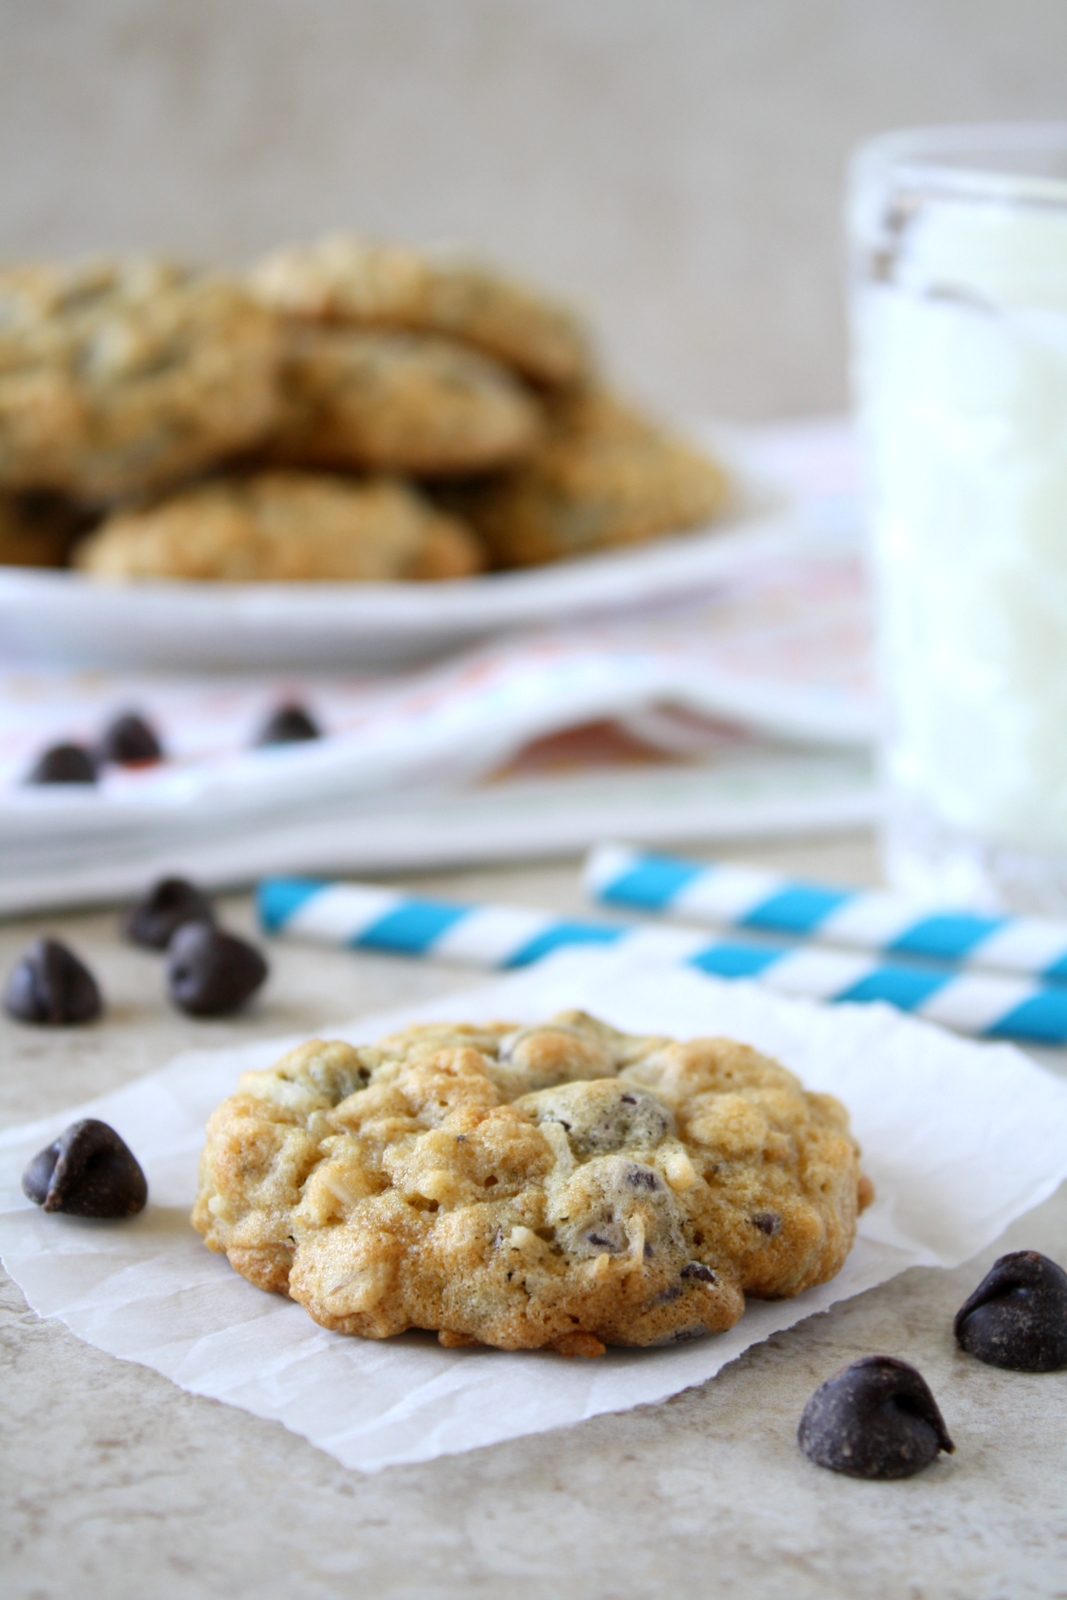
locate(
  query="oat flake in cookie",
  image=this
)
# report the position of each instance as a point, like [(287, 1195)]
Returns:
[(562, 1185)]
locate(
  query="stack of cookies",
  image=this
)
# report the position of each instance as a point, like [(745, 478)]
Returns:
[(346, 411)]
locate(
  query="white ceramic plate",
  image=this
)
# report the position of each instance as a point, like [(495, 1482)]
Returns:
[(64, 618)]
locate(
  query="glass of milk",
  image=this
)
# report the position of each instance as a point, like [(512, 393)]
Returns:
[(959, 303)]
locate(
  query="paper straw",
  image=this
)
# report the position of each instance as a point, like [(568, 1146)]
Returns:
[(365, 916), (725, 895)]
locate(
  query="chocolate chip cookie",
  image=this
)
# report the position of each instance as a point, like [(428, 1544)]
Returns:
[(118, 377), (398, 402), (343, 278), (563, 1185), (603, 476), (275, 526)]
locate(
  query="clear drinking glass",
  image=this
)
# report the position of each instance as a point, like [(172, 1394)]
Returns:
[(959, 316)]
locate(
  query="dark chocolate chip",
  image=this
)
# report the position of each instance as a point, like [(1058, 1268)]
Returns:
[(289, 724), (685, 1335), (767, 1222), (1017, 1316), (210, 973), (128, 741), (673, 1291), (49, 984), (88, 1172), (642, 1178), (697, 1269), (63, 763), (874, 1419), (169, 903)]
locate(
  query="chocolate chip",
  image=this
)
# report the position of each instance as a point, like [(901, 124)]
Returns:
[(874, 1419), (672, 1292), (63, 763), (767, 1222), (642, 1178), (128, 741), (697, 1269), (289, 724), (1017, 1316), (158, 915), (210, 973), (49, 984), (610, 1235), (88, 1172)]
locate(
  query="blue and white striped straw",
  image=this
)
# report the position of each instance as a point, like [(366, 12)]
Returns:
[(726, 895), (365, 916)]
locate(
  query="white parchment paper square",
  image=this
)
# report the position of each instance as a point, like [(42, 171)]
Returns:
[(959, 1139)]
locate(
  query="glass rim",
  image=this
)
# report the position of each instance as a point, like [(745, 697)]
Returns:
[(976, 160), (959, 162)]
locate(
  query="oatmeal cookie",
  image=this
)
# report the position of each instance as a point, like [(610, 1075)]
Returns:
[(563, 1185), (603, 476), (343, 278), (274, 526), (118, 377), (398, 402)]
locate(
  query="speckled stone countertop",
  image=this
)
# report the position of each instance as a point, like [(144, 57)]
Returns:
[(117, 1484)]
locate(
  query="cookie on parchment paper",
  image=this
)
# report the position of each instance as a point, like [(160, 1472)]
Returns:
[(562, 1185), (398, 402), (348, 279), (284, 526), (119, 377), (603, 476)]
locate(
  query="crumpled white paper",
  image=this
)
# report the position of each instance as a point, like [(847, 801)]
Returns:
[(959, 1139)]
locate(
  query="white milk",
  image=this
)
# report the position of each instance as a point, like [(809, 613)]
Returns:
[(961, 375)]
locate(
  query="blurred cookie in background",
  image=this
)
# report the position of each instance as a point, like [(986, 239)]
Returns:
[(282, 526), (347, 279), (123, 376), (603, 476), (38, 528), (225, 428), (398, 402)]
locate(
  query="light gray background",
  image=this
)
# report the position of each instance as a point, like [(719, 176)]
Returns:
[(676, 165)]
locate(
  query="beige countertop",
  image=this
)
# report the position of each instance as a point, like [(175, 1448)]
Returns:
[(118, 1484)]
